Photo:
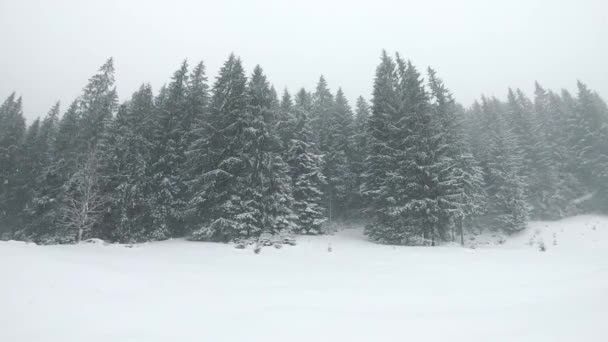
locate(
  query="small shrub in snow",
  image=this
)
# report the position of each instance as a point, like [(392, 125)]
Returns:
[(257, 249), (265, 239), (554, 239), (541, 246), (94, 241), (289, 240)]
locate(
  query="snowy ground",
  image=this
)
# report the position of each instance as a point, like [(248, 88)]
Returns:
[(189, 291)]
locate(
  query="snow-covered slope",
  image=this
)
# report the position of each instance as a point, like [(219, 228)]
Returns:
[(188, 291)]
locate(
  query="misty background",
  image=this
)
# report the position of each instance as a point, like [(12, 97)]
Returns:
[(50, 48)]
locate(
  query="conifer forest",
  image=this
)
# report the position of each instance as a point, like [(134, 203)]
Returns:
[(232, 159)]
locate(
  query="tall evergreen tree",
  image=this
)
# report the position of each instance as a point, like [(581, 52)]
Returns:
[(461, 194), (359, 151), (125, 157), (589, 127), (419, 163), (306, 170), (39, 214), (217, 188), (340, 189), (97, 105), (507, 208), (172, 128), (12, 131), (321, 111), (378, 186), (267, 197)]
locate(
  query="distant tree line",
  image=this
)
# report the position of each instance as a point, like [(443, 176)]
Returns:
[(236, 161)]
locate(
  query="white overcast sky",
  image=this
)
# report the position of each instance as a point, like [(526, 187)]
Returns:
[(48, 49)]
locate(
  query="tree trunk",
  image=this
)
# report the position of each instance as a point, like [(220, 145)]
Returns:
[(453, 232), (329, 205), (461, 231)]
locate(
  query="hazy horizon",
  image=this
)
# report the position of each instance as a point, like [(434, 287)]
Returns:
[(477, 47)]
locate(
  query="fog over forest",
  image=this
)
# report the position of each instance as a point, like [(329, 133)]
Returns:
[(480, 47)]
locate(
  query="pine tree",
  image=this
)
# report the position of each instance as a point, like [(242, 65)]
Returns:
[(359, 151), (536, 170), (378, 186), (556, 185), (172, 129), (97, 105), (285, 121), (40, 213), (267, 198), (125, 157), (321, 108), (44, 213), (589, 127), (197, 100), (419, 166), (340, 188), (217, 188), (306, 170), (12, 131), (507, 208), (460, 179)]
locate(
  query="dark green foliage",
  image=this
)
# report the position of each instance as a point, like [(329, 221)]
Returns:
[(235, 162), (12, 181), (125, 154), (306, 170), (216, 202)]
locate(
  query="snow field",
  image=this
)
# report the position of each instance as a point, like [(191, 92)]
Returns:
[(191, 291)]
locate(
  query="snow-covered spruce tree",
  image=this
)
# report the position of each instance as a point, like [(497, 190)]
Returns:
[(216, 202), (589, 138), (44, 186), (197, 103), (461, 195), (45, 225), (125, 153), (507, 208), (285, 121), (78, 134), (12, 130), (380, 165), (550, 128), (327, 135), (359, 152), (30, 161), (266, 197), (171, 128), (419, 165), (536, 169), (306, 171), (337, 153), (97, 105), (321, 107)]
